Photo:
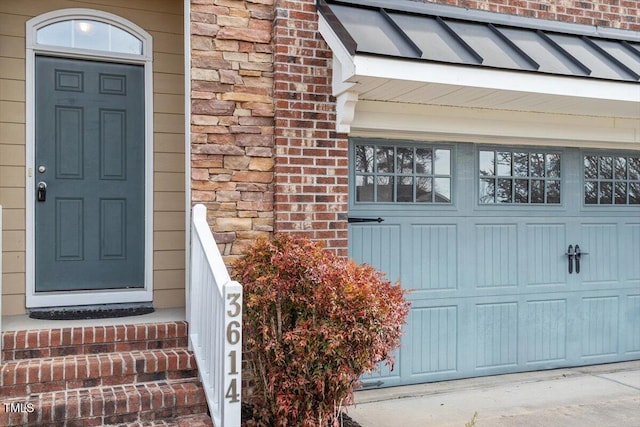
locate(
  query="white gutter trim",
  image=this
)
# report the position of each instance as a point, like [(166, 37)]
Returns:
[(497, 79)]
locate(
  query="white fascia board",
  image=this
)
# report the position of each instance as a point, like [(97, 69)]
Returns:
[(497, 79), (343, 67)]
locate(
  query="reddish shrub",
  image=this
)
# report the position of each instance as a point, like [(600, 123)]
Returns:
[(314, 323)]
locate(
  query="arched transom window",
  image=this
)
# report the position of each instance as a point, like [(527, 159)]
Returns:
[(89, 34)]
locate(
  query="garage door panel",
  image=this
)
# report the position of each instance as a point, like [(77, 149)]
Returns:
[(377, 245), (631, 327), (600, 326), (385, 374), (631, 260), (601, 243), (496, 334), (434, 259), (496, 251), (546, 330), (434, 334), (545, 259)]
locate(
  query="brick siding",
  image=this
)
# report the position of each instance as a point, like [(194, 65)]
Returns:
[(311, 172), (623, 14)]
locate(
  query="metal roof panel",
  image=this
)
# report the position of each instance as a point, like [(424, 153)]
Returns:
[(372, 32), (433, 39), (421, 31)]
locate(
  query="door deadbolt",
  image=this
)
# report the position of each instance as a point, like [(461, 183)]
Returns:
[(42, 169)]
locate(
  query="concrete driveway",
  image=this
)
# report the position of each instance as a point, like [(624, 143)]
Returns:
[(601, 395)]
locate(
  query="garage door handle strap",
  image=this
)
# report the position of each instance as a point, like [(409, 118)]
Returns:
[(570, 254), (378, 220)]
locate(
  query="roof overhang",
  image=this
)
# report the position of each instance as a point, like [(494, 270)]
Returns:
[(359, 76)]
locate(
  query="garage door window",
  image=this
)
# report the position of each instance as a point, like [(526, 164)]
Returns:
[(610, 180), (519, 177), (402, 174)]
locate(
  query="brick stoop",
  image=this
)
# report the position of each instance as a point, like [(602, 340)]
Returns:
[(126, 375)]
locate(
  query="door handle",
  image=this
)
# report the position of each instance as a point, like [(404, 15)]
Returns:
[(570, 254), (577, 255), (42, 191)]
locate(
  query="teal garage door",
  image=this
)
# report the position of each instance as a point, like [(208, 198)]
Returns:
[(517, 259)]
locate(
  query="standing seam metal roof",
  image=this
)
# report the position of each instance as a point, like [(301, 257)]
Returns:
[(445, 34)]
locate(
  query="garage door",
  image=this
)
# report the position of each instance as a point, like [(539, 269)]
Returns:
[(517, 258)]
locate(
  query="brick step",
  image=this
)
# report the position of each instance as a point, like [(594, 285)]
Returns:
[(98, 406), (28, 344), (31, 376), (199, 420)]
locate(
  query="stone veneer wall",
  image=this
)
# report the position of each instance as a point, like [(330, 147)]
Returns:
[(232, 126)]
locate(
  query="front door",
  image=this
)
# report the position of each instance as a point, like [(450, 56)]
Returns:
[(89, 175)]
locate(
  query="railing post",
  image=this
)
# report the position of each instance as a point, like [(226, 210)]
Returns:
[(216, 340), (1, 340)]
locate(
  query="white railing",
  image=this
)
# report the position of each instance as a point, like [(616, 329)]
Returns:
[(214, 312), (1, 340)]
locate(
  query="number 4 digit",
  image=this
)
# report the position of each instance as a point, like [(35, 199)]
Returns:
[(232, 392)]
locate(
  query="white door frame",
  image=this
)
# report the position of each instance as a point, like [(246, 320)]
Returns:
[(70, 298)]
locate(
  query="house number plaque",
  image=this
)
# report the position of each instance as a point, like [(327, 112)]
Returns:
[(234, 343)]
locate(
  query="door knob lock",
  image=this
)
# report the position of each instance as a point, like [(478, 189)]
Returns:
[(42, 191)]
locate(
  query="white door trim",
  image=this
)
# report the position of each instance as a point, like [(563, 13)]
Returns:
[(68, 298)]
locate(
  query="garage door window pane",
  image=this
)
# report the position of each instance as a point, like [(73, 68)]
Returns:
[(606, 167), (508, 177), (634, 193), (611, 180), (503, 193), (520, 164), (423, 161), (385, 173), (364, 188), (385, 160), (537, 191), (424, 190), (621, 168), (590, 167), (405, 160), (385, 189), (405, 189), (364, 158), (504, 164), (590, 192), (521, 191), (634, 168), (553, 165), (442, 164), (553, 191), (487, 191), (487, 162), (443, 190), (621, 193)]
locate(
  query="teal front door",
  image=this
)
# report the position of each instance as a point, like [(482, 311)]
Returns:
[(486, 238), (89, 175)]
